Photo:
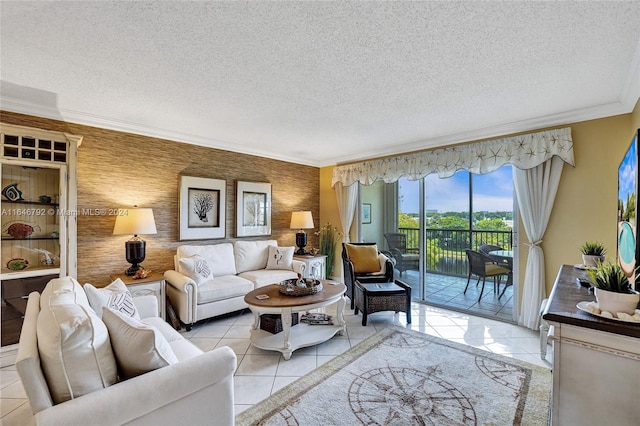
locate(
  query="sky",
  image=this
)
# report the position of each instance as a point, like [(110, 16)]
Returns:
[(492, 192)]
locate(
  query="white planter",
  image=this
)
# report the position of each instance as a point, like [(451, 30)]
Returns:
[(590, 260), (617, 302)]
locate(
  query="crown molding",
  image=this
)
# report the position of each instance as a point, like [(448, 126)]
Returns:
[(624, 106), (21, 107), (534, 124)]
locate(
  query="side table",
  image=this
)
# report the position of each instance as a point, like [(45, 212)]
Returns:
[(154, 284), (315, 266)]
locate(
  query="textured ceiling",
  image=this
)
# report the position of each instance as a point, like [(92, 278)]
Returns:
[(320, 83)]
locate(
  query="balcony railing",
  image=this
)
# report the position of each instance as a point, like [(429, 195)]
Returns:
[(444, 248)]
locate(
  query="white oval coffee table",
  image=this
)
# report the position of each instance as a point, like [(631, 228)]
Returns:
[(301, 335)]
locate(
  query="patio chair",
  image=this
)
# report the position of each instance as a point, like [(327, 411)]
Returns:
[(353, 273), (406, 258), (487, 248), (483, 266)]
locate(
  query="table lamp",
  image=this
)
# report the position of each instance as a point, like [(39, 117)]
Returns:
[(135, 221), (301, 221)]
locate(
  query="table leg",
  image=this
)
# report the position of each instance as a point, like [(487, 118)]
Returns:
[(286, 332), (256, 319), (340, 315)]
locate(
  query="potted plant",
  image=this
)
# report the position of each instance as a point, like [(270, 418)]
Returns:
[(612, 289), (592, 253), (329, 237)]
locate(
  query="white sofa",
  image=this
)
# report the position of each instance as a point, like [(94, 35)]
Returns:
[(235, 269), (72, 376)]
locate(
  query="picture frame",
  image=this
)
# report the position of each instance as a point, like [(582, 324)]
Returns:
[(202, 208), (253, 209), (366, 213)]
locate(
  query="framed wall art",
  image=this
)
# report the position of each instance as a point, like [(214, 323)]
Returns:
[(202, 208), (253, 211), (366, 213)]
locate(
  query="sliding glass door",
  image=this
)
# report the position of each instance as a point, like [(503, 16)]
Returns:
[(426, 225)]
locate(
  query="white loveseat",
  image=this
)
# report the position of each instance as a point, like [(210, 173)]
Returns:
[(71, 373), (235, 269)]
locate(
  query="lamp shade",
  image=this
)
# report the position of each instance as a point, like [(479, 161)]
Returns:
[(135, 221), (301, 220)]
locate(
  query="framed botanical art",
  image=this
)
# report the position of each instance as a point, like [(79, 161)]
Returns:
[(202, 208), (253, 211)]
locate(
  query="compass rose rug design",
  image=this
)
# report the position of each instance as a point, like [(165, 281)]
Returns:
[(402, 377)]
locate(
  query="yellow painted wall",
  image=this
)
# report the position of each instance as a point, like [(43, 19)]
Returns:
[(585, 207)]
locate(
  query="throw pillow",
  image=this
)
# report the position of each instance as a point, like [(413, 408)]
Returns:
[(280, 258), (73, 344), (138, 347), (115, 296), (196, 268), (364, 258)]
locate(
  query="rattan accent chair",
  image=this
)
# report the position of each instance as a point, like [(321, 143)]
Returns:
[(483, 266), (350, 276)]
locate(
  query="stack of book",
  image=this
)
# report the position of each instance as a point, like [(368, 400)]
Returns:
[(317, 319)]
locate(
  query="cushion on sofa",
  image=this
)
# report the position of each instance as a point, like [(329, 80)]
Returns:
[(182, 348), (138, 347), (219, 257), (196, 267), (252, 255), (223, 288), (264, 277), (115, 296), (280, 258), (73, 343)]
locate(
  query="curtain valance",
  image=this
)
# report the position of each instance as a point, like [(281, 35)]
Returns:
[(523, 152)]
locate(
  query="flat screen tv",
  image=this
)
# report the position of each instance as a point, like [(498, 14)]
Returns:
[(628, 244)]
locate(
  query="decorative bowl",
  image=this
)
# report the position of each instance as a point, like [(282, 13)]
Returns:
[(18, 264), (291, 287), (20, 231)]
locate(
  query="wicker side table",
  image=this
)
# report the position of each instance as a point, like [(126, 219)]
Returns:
[(378, 297)]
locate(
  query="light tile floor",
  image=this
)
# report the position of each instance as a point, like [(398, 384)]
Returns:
[(260, 373)]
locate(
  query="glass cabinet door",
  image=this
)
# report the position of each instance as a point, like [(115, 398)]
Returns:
[(31, 228)]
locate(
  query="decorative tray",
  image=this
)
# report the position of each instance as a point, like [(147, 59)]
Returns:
[(293, 287), (583, 267), (592, 308)]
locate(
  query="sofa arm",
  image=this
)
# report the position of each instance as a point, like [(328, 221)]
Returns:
[(195, 391), (147, 305), (179, 281), (183, 293), (296, 265)]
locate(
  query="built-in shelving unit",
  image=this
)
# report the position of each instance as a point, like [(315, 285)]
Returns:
[(37, 231)]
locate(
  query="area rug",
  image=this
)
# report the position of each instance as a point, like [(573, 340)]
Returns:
[(403, 377)]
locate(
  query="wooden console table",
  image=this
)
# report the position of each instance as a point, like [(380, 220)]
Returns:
[(596, 361)]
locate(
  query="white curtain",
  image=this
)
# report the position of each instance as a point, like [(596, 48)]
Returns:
[(535, 192), (347, 200)]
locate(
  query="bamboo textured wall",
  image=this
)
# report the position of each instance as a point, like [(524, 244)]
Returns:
[(120, 170)]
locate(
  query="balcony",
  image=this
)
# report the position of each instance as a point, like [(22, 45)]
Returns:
[(445, 263)]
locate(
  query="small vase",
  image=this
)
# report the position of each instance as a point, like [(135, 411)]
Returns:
[(617, 302), (591, 260)]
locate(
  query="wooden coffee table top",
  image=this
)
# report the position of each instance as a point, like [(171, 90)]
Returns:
[(276, 299)]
